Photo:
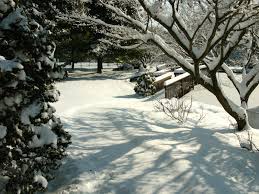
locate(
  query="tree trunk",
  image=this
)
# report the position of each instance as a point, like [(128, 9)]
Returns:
[(99, 64), (73, 65), (237, 112), (72, 58)]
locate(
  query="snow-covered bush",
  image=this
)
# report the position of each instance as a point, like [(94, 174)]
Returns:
[(145, 85), (32, 140)]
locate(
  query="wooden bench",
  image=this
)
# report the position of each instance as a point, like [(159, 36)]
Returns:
[(159, 82), (179, 86)]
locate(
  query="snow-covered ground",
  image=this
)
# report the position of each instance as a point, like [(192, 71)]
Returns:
[(122, 145), (202, 95)]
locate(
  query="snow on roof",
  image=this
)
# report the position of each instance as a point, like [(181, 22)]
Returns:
[(175, 79)]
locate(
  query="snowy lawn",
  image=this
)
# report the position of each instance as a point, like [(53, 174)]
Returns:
[(202, 95), (122, 145)]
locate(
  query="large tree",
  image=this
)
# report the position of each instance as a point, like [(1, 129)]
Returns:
[(207, 31)]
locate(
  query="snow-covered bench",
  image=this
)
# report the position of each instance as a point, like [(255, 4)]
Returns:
[(179, 71), (159, 82), (178, 86)]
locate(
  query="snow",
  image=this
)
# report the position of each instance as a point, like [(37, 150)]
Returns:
[(5, 5), (166, 75), (253, 116), (162, 72), (21, 75), (122, 145), (179, 71), (162, 66), (3, 131), (202, 95), (7, 65), (3, 181), (41, 180), (47, 61), (53, 94), (43, 136), (14, 18), (30, 112), (175, 79), (56, 75), (12, 100)]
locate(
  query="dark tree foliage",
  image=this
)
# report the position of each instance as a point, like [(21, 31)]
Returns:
[(85, 39), (32, 140), (145, 85)]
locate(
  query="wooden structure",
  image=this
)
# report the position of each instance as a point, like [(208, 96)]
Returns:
[(159, 82), (179, 86)]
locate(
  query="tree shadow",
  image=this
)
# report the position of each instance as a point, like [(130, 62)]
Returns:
[(135, 96), (128, 151), (106, 75), (158, 95)]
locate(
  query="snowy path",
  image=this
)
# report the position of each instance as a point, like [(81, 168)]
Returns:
[(121, 145)]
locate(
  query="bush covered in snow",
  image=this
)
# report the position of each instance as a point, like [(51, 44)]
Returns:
[(32, 140), (145, 85)]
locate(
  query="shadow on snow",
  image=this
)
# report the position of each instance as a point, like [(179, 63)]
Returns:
[(112, 142)]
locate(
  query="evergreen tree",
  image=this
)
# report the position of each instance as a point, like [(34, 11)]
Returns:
[(32, 140)]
